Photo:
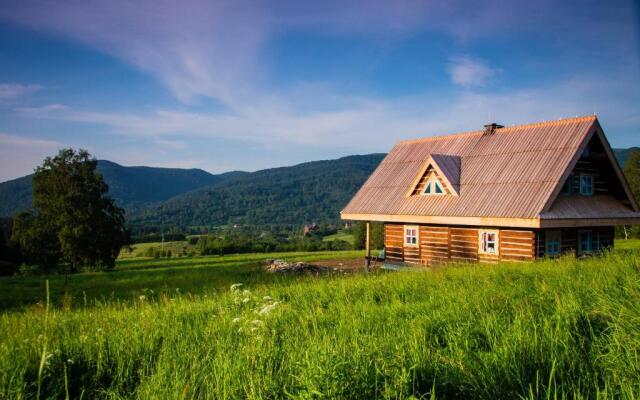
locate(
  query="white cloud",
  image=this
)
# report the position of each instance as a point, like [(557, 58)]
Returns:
[(468, 71), (11, 91)]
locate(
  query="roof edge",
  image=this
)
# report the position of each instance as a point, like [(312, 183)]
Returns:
[(505, 129), (441, 220)]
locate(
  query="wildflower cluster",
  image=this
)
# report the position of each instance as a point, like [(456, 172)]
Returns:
[(258, 309)]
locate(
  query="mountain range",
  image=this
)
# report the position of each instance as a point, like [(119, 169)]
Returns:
[(312, 191), (291, 196)]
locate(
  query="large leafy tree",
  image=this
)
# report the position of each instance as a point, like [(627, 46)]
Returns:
[(632, 173), (74, 221)]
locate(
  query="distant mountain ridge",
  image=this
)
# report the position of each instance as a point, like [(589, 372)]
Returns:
[(312, 191), (132, 187), (286, 196)]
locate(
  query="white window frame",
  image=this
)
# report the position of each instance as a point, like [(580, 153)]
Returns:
[(433, 180), (583, 187), (481, 245), (406, 236), (553, 237)]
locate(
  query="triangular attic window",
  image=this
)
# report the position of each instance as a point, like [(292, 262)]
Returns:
[(433, 187)]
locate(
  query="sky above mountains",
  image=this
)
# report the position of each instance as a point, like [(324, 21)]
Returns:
[(228, 85)]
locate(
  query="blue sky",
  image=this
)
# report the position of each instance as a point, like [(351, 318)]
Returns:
[(246, 85)]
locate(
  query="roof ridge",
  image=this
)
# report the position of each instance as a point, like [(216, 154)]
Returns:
[(501, 130)]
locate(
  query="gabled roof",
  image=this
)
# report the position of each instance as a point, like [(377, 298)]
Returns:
[(448, 169), (510, 177)]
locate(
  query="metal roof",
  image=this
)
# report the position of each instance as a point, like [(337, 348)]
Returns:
[(510, 173)]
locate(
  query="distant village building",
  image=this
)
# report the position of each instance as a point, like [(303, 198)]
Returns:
[(308, 228), (502, 193)]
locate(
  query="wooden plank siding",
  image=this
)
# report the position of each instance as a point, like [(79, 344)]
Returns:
[(434, 244), (517, 245), (439, 244), (463, 244), (393, 242), (569, 239)]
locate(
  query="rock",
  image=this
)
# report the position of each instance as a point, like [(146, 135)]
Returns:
[(281, 266)]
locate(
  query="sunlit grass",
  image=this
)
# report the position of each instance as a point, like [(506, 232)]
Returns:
[(133, 276), (552, 329)]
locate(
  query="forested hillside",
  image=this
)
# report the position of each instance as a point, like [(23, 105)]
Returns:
[(313, 191), (131, 187)]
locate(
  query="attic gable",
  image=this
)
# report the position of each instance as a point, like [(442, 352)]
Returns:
[(595, 146), (445, 169)]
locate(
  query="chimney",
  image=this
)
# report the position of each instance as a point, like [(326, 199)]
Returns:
[(490, 128)]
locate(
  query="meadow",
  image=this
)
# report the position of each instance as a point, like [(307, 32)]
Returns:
[(552, 329)]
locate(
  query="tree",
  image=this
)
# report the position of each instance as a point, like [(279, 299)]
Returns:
[(37, 239), (632, 174), (73, 214), (376, 235)]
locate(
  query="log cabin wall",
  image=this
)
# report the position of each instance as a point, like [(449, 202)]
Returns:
[(393, 242), (434, 244), (517, 245), (463, 244), (439, 244), (569, 239)]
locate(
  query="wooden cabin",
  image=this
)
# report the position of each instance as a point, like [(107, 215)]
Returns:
[(501, 193)]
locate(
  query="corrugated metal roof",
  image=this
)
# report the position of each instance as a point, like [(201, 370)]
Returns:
[(510, 173)]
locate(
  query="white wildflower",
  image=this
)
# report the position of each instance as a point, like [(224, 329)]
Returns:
[(69, 361), (246, 300), (143, 298), (235, 286), (246, 292), (267, 308), (257, 322), (267, 298), (236, 320), (254, 329)]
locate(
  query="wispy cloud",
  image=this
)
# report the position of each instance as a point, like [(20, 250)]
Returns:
[(468, 71), (11, 91), (214, 49)]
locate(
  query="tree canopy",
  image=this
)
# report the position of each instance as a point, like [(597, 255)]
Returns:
[(73, 220)]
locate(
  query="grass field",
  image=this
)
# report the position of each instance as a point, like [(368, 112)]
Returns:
[(176, 248), (347, 237), (553, 329), (140, 276)]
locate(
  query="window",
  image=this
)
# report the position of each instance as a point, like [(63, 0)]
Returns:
[(586, 185), (586, 243), (488, 242), (411, 236), (433, 187), (552, 243)]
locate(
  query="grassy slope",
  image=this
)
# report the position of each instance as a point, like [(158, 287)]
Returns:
[(133, 277), (569, 328), (347, 237)]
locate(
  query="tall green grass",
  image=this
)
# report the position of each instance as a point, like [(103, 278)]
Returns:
[(135, 277), (552, 329)]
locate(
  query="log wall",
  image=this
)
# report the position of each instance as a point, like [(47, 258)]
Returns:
[(438, 244), (569, 239)]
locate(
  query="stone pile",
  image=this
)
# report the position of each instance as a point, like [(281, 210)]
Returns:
[(281, 266)]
